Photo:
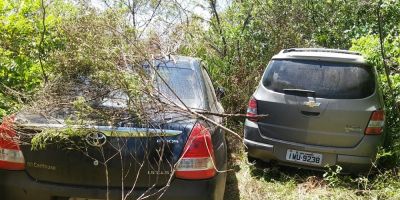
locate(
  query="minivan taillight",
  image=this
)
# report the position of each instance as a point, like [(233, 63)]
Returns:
[(11, 157), (252, 110), (197, 161), (376, 123)]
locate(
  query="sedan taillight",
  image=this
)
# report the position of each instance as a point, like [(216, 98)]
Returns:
[(11, 157), (197, 161)]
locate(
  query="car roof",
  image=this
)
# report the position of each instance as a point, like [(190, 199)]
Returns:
[(178, 61), (335, 55)]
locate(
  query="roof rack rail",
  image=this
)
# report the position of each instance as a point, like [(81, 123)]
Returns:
[(320, 50)]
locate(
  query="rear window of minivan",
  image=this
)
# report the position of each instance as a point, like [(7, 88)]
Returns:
[(332, 80)]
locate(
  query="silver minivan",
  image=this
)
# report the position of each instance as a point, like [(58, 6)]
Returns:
[(324, 108)]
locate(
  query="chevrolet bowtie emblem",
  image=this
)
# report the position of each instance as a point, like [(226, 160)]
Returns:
[(312, 104)]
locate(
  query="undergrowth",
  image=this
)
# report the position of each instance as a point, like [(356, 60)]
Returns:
[(265, 181), (259, 180)]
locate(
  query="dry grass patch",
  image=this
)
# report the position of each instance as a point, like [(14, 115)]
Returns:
[(253, 181)]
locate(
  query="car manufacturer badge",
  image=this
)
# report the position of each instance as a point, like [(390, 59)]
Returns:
[(312, 104), (96, 139)]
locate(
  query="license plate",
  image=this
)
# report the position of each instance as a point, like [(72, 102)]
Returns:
[(304, 157)]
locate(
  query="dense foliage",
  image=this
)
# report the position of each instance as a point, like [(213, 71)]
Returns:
[(26, 36), (369, 45)]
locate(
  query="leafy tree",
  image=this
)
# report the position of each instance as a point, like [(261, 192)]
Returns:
[(21, 43)]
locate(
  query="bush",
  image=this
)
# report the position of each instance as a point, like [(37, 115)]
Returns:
[(369, 46)]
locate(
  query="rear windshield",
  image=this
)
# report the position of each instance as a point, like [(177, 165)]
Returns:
[(331, 80), (185, 84)]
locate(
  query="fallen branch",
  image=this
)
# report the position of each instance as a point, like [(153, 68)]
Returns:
[(231, 115)]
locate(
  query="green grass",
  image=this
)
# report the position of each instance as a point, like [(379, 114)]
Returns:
[(261, 180), (264, 181)]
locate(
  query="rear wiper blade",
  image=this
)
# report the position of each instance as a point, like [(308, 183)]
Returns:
[(299, 92)]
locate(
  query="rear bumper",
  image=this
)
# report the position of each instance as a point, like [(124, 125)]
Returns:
[(355, 159), (17, 185)]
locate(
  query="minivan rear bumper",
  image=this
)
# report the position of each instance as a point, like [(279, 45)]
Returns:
[(18, 185), (356, 159)]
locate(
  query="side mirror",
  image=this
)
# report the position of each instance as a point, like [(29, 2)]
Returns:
[(220, 92)]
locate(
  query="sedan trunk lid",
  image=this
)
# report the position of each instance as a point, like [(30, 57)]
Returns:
[(105, 156)]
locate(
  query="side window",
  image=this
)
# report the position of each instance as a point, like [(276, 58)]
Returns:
[(212, 99)]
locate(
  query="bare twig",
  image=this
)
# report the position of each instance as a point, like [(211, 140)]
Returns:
[(383, 55), (230, 115), (41, 43), (213, 7)]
